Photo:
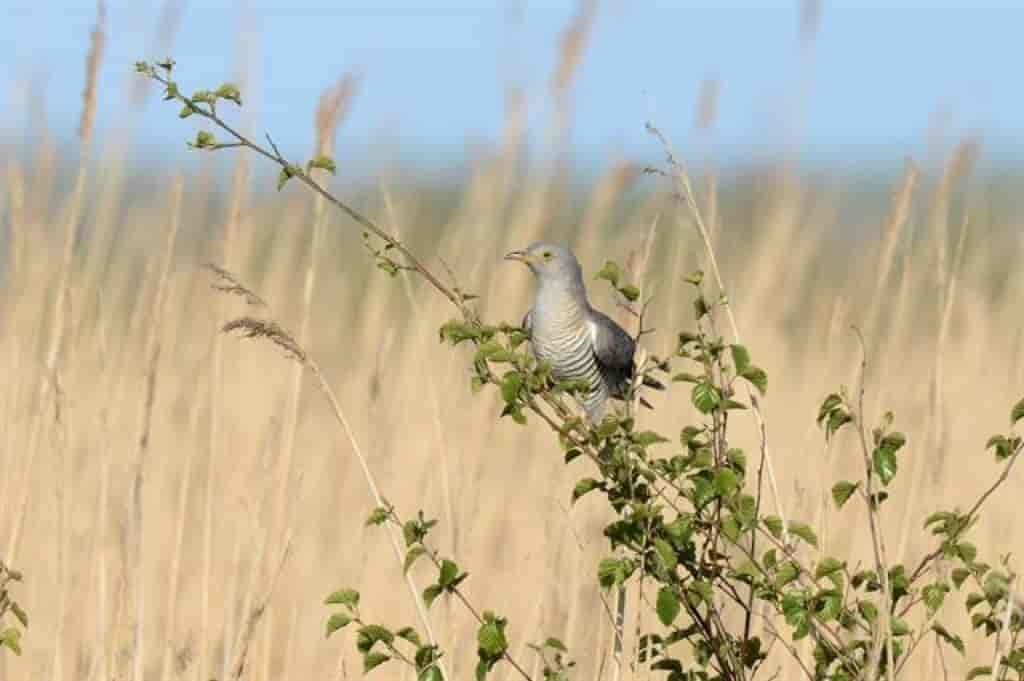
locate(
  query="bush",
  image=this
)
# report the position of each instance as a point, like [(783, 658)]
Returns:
[(699, 533)]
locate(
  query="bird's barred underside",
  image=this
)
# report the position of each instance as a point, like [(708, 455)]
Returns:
[(572, 359)]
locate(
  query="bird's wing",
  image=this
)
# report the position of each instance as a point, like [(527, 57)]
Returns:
[(613, 350)]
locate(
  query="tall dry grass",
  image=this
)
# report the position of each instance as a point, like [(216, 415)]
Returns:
[(154, 475)]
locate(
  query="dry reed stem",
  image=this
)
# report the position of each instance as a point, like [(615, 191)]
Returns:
[(937, 383), (152, 357), (271, 331), (255, 612), (236, 200), (63, 545), (97, 41), (333, 106), (891, 232), (573, 45), (435, 404), (16, 219), (810, 20), (173, 595), (58, 321)]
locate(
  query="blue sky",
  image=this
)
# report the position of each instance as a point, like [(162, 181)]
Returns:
[(434, 73)]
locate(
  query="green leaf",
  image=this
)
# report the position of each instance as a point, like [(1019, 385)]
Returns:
[(828, 406), (695, 277), (893, 441), (867, 610), (230, 92), (1017, 413), (699, 591), (630, 292), (757, 378), (828, 566), (431, 593), (680, 530), (700, 308), (647, 438), (842, 491), (410, 635), (726, 482), (611, 272), (431, 673), (731, 528), (338, 620), (186, 111), (11, 638), (456, 332), (282, 178), (794, 608), (950, 638), (740, 358), (786, 573), (805, 532), (449, 572), (836, 420), (612, 571), (369, 634), (885, 466), (666, 553), (584, 486), (491, 639), (378, 516), (171, 91), (773, 524), (204, 140), (346, 597), (934, 595), (829, 605), (374, 659), (705, 397), (668, 605), (984, 670), (323, 163), (555, 644), (511, 384), (411, 556), (899, 627)]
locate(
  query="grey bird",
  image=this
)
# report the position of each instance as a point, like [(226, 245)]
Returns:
[(579, 342)]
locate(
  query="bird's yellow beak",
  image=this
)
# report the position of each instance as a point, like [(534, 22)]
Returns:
[(521, 256)]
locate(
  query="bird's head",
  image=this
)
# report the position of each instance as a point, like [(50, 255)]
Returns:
[(549, 262)]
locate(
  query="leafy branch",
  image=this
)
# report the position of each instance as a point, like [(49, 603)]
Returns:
[(203, 103), (10, 637)]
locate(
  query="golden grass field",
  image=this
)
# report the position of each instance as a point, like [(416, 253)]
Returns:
[(152, 471)]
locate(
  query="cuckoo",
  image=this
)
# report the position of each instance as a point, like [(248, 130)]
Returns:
[(579, 342)]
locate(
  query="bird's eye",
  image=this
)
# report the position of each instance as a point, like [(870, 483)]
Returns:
[(547, 255)]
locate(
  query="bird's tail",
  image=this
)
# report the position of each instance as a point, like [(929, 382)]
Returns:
[(653, 383), (650, 383)]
